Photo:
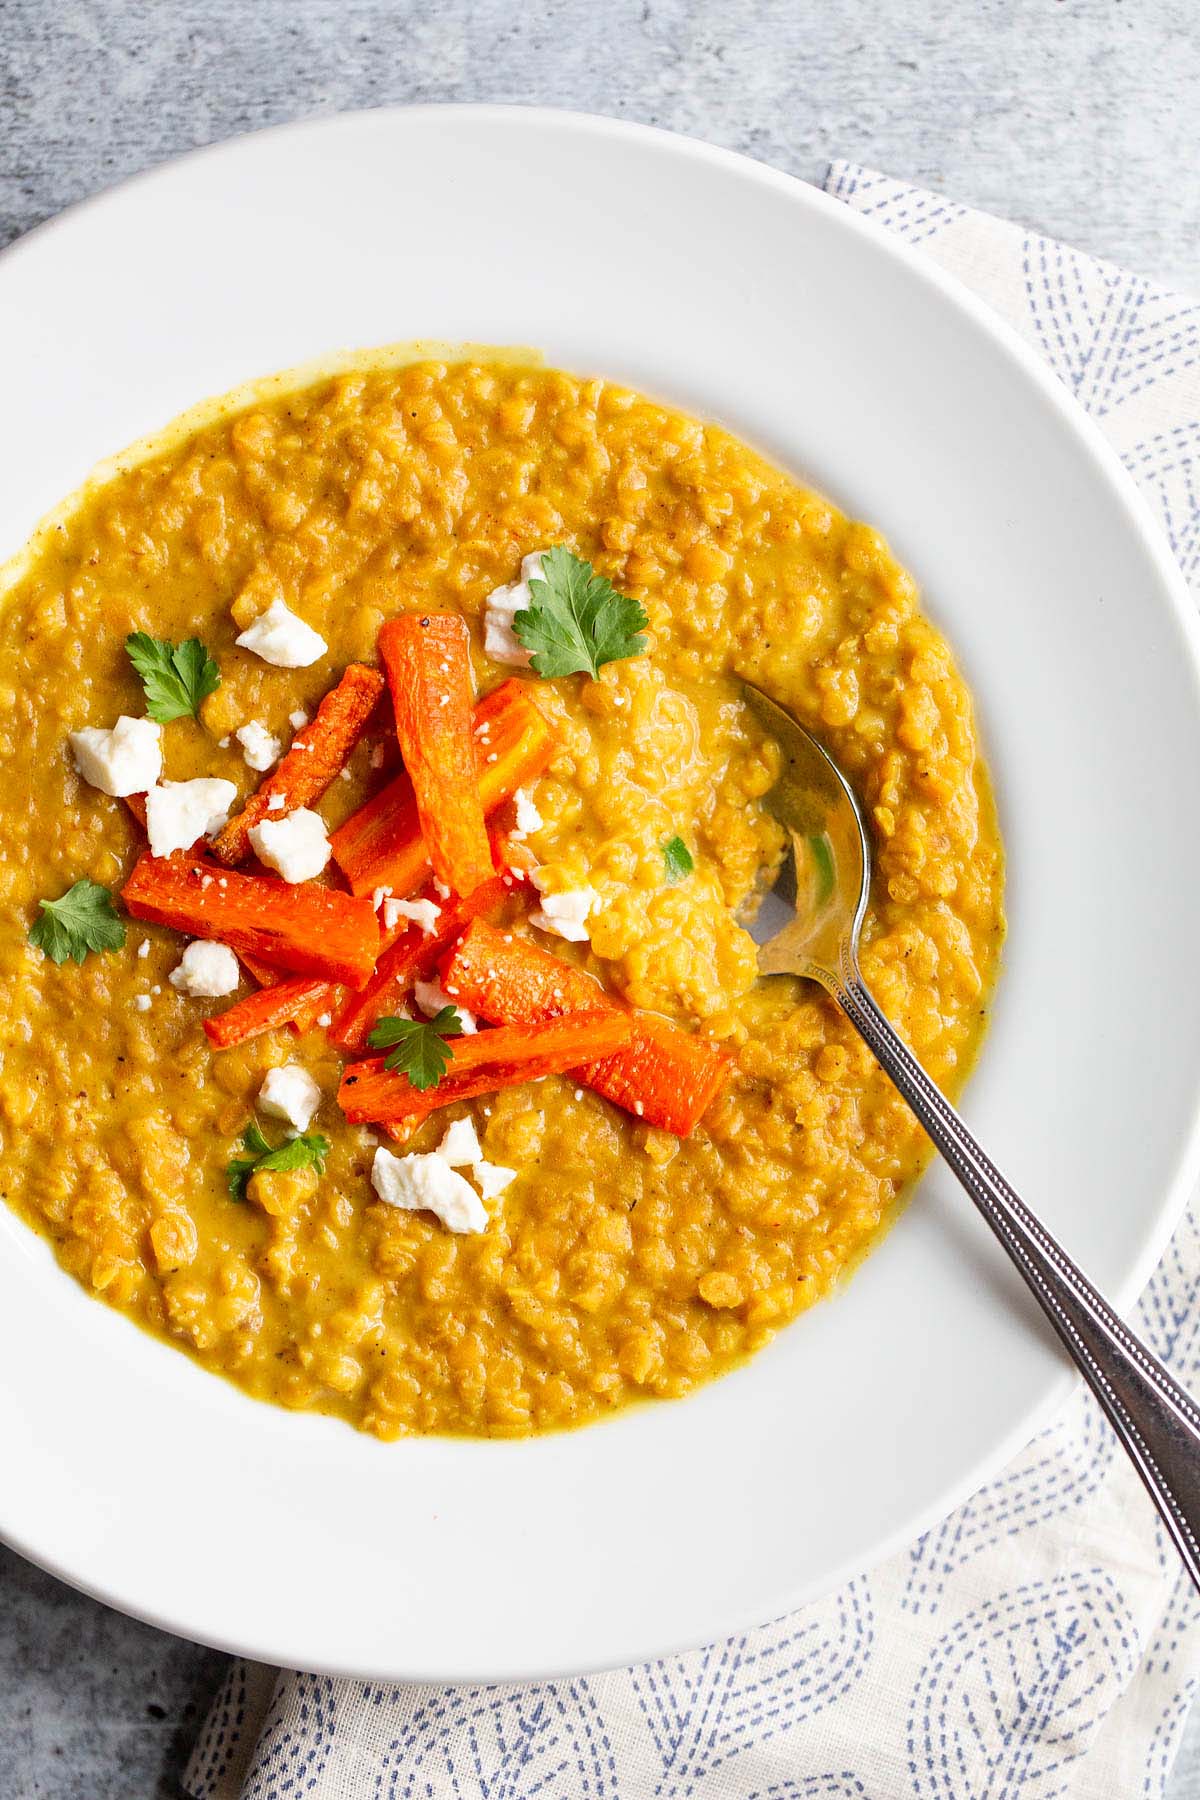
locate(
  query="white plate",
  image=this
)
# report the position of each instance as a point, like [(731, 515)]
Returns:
[(749, 298)]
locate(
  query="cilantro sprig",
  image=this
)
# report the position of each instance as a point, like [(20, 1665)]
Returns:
[(308, 1151), (576, 621), (175, 677), (678, 860), (419, 1049), (82, 919)]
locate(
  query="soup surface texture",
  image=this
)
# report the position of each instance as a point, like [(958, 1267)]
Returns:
[(622, 1262)]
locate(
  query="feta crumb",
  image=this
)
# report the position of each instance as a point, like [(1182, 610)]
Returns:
[(206, 970), (428, 1184), (125, 760), (431, 996), (564, 914), (528, 817), (276, 802), (260, 750), (493, 1178), (290, 1093), (378, 896), (421, 912), (180, 812), (325, 1021), (296, 847), (283, 639), (298, 720), (461, 1144), (440, 889), (142, 1002), (500, 640), (143, 948), (224, 743), (579, 1093)]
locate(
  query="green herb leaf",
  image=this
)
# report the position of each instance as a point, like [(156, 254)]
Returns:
[(420, 1049), (175, 677), (82, 919), (577, 621), (304, 1152), (677, 860)]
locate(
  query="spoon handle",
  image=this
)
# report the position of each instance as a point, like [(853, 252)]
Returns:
[(1154, 1418)]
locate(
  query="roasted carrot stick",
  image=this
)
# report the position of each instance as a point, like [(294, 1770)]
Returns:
[(412, 957), (318, 753), (428, 661), (325, 994), (309, 930), (265, 1010), (479, 1065), (663, 1075), (381, 844)]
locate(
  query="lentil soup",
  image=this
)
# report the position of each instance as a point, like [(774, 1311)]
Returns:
[(611, 1257)]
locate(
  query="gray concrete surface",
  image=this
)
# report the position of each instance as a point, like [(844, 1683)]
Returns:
[(1075, 116)]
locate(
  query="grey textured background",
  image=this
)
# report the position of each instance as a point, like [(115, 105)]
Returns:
[(1076, 116)]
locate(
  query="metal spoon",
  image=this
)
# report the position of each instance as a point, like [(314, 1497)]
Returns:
[(809, 926)]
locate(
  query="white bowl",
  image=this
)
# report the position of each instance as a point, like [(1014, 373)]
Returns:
[(746, 297)]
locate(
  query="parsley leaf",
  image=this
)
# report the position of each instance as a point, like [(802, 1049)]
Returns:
[(175, 677), (420, 1051), (677, 860), (82, 919), (304, 1152), (577, 621)]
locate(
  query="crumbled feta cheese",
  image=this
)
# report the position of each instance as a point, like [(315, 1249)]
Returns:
[(528, 817), (296, 847), (206, 970), (378, 897), (325, 1021), (428, 1184), (143, 948), (142, 1002), (260, 749), (276, 802), (440, 889), (290, 1093), (180, 812), (500, 640), (224, 743), (564, 914), (125, 760), (431, 996), (493, 1178), (421, 912), (298, 720), (461, 1144), (281, 638)]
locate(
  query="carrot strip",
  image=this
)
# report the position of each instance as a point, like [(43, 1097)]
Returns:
[(381, 844), (319, 752), (428, 661), (309, 930), (412, 957), (479, 1065), (265, 1010), (665, 1076), (325, 994)]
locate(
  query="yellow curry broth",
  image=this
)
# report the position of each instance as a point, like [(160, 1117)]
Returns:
[(621, 1263)]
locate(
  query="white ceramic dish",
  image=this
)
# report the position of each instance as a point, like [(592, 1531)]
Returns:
[(750, 298)]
